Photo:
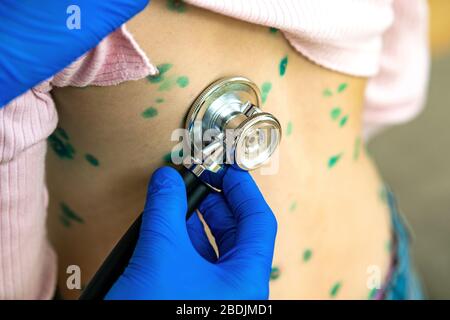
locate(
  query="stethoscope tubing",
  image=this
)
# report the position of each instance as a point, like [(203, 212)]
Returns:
[(118, 259)]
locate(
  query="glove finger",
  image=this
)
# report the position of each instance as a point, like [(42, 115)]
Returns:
[(199, 239), (220, 220), (165, 207), (256, 224)]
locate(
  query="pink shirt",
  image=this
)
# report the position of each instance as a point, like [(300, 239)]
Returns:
[(385, 40)]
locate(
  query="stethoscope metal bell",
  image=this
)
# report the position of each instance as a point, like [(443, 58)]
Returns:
[(239, 132), (240, 135)]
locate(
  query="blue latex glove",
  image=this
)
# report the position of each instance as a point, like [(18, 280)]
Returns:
[(174, 260), (36, 42)]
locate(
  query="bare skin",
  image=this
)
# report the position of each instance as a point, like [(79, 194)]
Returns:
[(332, 223)]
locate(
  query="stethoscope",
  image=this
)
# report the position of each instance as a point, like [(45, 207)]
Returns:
[(238, 133)]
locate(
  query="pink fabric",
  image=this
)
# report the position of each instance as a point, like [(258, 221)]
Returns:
[(397, 93), (27, 262), (385, 40)]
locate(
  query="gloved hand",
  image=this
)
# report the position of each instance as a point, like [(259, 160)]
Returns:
[(174, 260), (36, 42)]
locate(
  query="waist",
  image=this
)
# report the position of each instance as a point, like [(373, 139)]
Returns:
[(332, 206)]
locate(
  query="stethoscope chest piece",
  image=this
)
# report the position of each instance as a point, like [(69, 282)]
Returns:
[(227, 115)]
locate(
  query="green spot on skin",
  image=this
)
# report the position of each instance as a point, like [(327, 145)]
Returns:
[(343, 121), (388, 246), (92, 160), (183, 81), (63, 149), (273, 30), (65, 221), (168, 157), (383, 194), (162, 69), (372, 293), (70, 214), (335, 289), (335, 113), (176, 5), (70, 148), (357, 148), (283, 65), (149, 113), (155, 79), (62, 133), (159, 100), (265, 89), (293, 206), (333, 160), (168, 84), (307, 254), (289, 128), (342, 87), (274, 273), (327, 93)]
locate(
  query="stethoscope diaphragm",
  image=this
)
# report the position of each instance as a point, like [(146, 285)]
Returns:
[(228, 111)]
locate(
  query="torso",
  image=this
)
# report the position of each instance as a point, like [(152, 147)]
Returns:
[(333, 225)]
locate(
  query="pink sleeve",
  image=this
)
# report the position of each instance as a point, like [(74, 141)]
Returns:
[(385, 40), (397, 93), (343, 35), (27, 263)]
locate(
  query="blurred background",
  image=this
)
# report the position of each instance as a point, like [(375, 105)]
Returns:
[(414, 160)]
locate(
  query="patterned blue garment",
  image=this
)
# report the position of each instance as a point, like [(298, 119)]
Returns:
[(403, 283)]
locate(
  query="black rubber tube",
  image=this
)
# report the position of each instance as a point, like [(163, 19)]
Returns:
[(116, 262)]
